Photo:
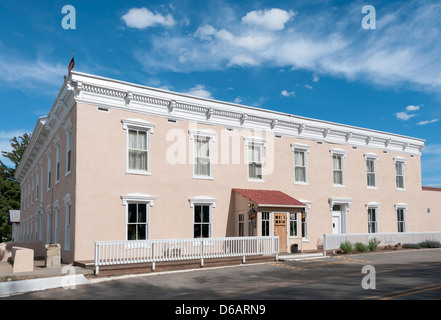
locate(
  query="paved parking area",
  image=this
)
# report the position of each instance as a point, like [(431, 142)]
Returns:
[(394, 275)]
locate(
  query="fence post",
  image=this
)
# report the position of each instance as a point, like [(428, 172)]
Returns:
[(97, 254), (153, 256), (202, 253)]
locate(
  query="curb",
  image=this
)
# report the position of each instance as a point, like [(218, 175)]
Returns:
[(24, 286)]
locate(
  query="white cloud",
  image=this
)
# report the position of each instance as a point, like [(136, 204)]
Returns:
[(404, 115), (272, 19), (307, 86), (422, 123), (36, 74), (315, 78), (403, 51), (412, 108), (200, 91), (287, 94), (141, 18)]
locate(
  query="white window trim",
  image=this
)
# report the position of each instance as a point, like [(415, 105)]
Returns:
[(56, 221), (49, 169), (402, 161), (372, 157), (211, 136), (341, 153), (48, 224), (306, 149), (204, 201), (141, 125), (138, 198), (67, 222), (307, 208), (68, 131), (376, 206), (255, 141), (404, 207)]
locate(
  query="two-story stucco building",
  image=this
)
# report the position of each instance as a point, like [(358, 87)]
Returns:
[(119, 161)]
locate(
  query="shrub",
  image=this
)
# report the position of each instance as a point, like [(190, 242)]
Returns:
[(429, 244), (346, 246), (373, 244), (360, 247), (410, 246)]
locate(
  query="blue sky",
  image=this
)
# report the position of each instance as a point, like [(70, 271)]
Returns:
[(309, 58)]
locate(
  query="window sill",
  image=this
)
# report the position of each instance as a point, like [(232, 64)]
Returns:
[(339, 185), (256, 180), (203, 177), (142, 173), (400, 189), (67, 173), (372, 188), (301, 183)]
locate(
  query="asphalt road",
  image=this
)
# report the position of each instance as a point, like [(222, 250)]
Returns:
[(398, 275)]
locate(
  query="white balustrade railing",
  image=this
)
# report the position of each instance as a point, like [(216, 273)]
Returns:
[(151, 251), (333, 241)]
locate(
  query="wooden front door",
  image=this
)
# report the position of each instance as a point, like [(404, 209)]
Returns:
[(280, 230)]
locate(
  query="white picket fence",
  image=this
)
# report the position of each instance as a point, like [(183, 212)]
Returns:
[(333, 241), (146, 251)]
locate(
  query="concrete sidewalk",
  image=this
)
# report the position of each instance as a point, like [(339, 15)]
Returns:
[(40, 278)]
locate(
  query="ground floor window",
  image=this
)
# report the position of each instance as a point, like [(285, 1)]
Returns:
[(137, 221), (401, 220), (202, 221), (372, 220), (241, 225), (265, 223), (293, 229), (304, 225)]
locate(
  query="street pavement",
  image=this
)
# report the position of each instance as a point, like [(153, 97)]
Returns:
[(405, 274)]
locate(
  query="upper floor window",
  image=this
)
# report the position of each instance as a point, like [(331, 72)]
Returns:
[(255, 158), (68, 130), (138, 150), (138, 145), (371, 170), (399, 172), (338, 166), (57, 163), (300, 163), (202, 151)]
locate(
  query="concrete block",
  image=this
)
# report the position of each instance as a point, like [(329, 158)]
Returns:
[(53, 255), (23, 259)]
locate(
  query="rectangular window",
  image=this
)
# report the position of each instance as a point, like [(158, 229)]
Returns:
[(401, 220), (241, 225), (265, 224), (371, 169), (36, 187), (202, 153), (137, 227), (399, 170), (57, 163), (293, 230), (255, 161), (68, 151), (67, 227), (304, 225), (202, 224), (337, 166), (300, 165), (138, 150), (56, 224), (372, 220), (49, 173)]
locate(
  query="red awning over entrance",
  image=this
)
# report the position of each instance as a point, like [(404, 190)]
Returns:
[(270, 198)]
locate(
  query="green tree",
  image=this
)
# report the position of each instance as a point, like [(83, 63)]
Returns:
[(9, 187)]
